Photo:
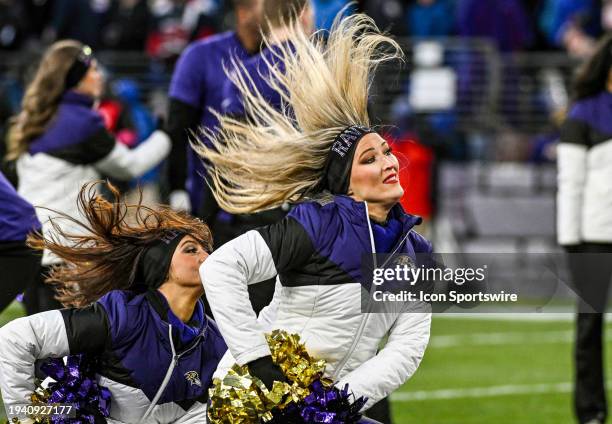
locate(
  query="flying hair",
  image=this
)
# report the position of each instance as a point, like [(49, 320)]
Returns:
[(275, 156)]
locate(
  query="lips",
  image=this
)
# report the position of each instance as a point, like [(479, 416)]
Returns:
[(391, 179)]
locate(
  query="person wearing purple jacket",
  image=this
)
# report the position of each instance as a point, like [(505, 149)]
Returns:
[(59, 141), (134, 291), (196, 89), (19, 264), (320, 154), (584, 223)]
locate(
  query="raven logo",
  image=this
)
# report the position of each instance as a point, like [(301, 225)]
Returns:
[(193, 378)]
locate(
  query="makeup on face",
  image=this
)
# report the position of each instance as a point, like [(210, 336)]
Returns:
[(375, 172)]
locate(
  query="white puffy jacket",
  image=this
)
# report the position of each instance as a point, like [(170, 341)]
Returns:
[(316, 252)]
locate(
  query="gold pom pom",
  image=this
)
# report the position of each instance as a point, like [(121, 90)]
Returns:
[(240, 398)]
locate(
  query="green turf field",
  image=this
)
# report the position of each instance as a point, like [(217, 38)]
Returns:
[(479, 371)]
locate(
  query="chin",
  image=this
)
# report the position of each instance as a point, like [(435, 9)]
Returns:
[(394, 194)]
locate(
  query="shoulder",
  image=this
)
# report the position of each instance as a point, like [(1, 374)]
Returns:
[(209, 44), (123, 308), (419, 243), (79, 121), (72, 127), (315, 211), (582, 110)]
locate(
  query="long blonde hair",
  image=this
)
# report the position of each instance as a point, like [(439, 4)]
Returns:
[(42, 96), (275, 156)]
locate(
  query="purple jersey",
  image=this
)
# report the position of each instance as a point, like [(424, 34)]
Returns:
[(198, 81), (17, 217), (257, 69)]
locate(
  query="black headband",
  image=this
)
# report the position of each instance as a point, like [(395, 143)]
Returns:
[(79, 68), (337, 173), (154, 262)]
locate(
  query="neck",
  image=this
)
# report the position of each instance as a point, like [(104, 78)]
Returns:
[(248, 40), (182, 300), (379, 212), (609, 85)]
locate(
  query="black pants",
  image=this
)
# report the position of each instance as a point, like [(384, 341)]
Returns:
[(19, 269), (39, 296), (591, 271)]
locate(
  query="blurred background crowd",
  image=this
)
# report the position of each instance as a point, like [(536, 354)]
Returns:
[(480, 97)]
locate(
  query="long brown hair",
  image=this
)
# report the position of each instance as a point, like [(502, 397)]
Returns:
[(106, 258), (42, 96)]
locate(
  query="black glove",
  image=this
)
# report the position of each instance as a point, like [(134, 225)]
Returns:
[(266, 370)]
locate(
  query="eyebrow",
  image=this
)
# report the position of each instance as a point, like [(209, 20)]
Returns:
[(371, 148), (184, 242)]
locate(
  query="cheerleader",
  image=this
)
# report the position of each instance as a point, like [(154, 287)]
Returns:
[(135, 285), (584, 227), (320, 152), (59, 142)]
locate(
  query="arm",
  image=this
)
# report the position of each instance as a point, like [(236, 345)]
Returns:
[(45, 335), (187, 95), (22, 342), (124, 164), (182, 117), (571, 164), (396, 362), (251, 258), (225, 275)]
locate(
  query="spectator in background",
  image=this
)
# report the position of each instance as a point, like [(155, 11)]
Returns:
[(584, 227), (431, 18), (131, 122), (195, 89), (60, 142), (504, 21), (129, 23), (280, 16), (571, 24), (39, 15), (81, 20), (389, 15), (168, 37), (325, 11), (14, 24), (177, 22)]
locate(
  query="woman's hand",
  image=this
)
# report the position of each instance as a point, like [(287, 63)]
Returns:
[(267, 371)]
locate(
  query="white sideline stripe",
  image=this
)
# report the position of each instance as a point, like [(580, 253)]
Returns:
[(531, 316), (516, 389), (492, 339), (481, 392), (500, 338)]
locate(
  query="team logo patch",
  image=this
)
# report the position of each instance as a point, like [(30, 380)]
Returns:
[(404, 261), (193, 378)]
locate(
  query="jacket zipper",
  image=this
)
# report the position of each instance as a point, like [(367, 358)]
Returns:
[(367, 314), (173, 364)]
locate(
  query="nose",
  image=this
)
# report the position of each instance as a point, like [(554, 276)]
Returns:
[(388, 163)]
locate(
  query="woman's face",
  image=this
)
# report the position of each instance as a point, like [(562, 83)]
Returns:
[(186, 261), (375, 172), (92, 83)]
